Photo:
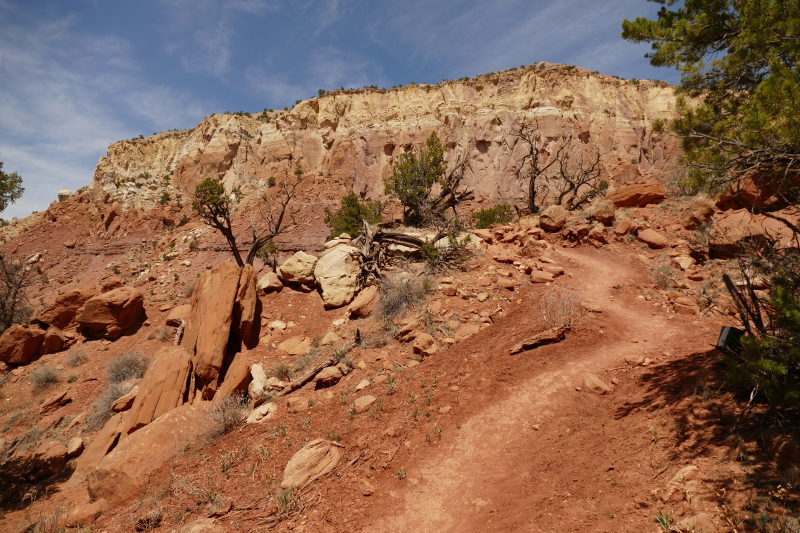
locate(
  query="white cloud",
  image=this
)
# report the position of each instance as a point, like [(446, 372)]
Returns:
[(64, 96)]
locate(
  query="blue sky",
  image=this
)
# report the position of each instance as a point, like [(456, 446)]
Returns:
[(77, 75)]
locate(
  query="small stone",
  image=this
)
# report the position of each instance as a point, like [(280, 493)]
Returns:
[(367, 489), (482, 297), (74, 447), (364, 403), (535, 427), (363, 384)]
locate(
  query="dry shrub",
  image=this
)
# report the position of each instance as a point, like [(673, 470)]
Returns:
[(129, 365), (399, 294), (227, 414), (662, 274), (101, 410), (76, 357), (282, 371), (560, 308), (44, 378)]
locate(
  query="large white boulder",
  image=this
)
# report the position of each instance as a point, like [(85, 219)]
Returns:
[(337, 272), (298, 269)]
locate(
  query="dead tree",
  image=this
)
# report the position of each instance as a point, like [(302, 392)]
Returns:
[(578, 183), (533, 169)]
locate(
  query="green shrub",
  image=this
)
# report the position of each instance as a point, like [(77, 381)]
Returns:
[(271, 181), (347, 219), (184, 220), (165, 198), (499, 214), (770, 362), (658, 125)]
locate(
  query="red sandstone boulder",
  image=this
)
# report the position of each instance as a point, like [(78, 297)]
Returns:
[(178, 315), (653, 239), (208, 325), (62, 312), (698, 211), (638, 195), (237, 378), (164, 387), (54, 341), (553, 218), (20, 343), (110, 314), (123, 474), (244, 308)]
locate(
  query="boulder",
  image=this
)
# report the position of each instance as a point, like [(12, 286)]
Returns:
[(257, 390), (548, 336), (310, 462), (739, 227), (603, 211), (485, 235), (337, 272), (208, 325), (363, 403), (553, 218), (262, 413), (203, 525), (598, 233), (365, 302), (595, 384), (19, 343), (244, 310), (298, 269), (699, 210), (124, 473), (685, 306), (328, 376), (638, 195), (49, 459), (74, 447), (538, 276), (466, 331), (54, 402), (178, 315), (125, 402), (103, 442), (296, 345), (653, 239), (109, 314), (236, 379), (64, 194), (425, 344), (684, 262), (269, 282), (64, 309), (114, 282), (625, 226), (87, 513), (164, 387), (330, 338), (53, 342)]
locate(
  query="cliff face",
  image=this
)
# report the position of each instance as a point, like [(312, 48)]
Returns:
[(349, 139)]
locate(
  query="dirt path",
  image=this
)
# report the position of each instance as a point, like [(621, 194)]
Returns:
[(460, 481)]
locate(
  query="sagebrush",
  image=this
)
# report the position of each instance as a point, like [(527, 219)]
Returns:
[(129, 365), (398, 294)]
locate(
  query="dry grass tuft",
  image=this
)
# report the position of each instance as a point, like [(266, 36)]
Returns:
[(560, 308), (44, 377)]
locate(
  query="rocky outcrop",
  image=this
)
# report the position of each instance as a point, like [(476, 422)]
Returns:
[(165, 386), (109, 314), (337, 273), (245, 310), (208, 326), (20, 343), (123, 473), (350, 139)]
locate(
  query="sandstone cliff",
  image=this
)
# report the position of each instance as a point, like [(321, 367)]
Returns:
[(349, 139)]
